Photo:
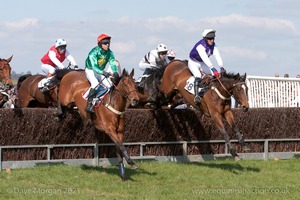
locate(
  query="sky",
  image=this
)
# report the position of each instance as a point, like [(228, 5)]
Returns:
[(255, 37)]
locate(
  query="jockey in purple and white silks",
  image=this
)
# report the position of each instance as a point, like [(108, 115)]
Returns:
[(199, 59)]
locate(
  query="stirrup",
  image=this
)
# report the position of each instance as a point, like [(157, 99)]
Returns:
[(89, 108), (197, 99), (45, 90)]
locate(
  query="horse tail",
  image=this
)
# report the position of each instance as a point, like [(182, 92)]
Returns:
[(21, 79)]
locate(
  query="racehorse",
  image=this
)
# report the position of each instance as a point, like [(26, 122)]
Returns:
[(216, 102), (5, 73), (108, 116), (29, 95)]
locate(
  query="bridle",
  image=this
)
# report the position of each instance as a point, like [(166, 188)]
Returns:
[(123, 94), (222, 85), (123, 85)]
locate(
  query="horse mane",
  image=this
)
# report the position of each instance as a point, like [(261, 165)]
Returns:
[(231, 75), (21, 79)]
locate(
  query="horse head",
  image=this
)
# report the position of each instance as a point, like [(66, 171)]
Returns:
[(240, 91), (5, 73), (127, 87)]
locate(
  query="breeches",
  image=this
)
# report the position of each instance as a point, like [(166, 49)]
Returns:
[(48, 69), (198, 68), (95, 79)]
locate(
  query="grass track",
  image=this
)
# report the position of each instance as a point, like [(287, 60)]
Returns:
[(227, 179)]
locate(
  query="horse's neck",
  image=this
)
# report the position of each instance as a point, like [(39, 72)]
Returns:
[(116, 100), (224, 85)]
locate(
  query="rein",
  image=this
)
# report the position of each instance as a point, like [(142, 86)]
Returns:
[(123, 95), (218, 92)]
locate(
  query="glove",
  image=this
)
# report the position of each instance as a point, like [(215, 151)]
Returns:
[(76, 67), (106, 74), (116, 78), (216, 73), (222, 70)]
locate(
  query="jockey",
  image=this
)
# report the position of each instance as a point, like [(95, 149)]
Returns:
[(199, 58), (171, 55), (95, 63), (53, 59), (154, 61)]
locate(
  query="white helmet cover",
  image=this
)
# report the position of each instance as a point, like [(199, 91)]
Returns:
[(161, 48), (60, 42), (208, 31), (171, 54)]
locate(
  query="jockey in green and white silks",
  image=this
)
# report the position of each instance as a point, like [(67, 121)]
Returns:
[(95, 64)]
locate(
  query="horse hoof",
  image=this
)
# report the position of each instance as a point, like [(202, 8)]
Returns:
[(246, 148), (237, 158), (122, 176), (134, 166)]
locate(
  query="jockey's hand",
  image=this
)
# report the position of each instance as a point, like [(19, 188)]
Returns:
[(215, 72), (116, 78), (76, 67), (222, 70), (106, 74)]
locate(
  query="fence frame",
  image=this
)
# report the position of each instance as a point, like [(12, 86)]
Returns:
[(96, 161)]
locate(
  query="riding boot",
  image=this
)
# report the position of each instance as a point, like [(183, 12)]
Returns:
[(90, 107), (151, 93), (197, 98), (46, 88), (140, 85)]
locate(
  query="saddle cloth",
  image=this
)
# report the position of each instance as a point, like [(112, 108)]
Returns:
[(45, 80), (97, 100), (190, 86)]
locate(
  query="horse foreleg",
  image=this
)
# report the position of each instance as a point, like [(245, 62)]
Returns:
[(230, 119), (120, 132), (220, 125)]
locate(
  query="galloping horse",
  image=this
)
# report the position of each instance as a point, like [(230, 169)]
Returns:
[(29, 95), (216, 102), (108, 116)]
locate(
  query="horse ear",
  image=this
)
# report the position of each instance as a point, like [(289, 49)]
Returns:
[(132, 72), (9, 59), (123, 72)]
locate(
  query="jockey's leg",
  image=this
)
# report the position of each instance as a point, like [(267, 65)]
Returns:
[(197, 98), (47, 84), (144, 76), (92, 94)]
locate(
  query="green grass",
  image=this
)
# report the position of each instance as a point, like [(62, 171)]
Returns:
[(227, 179)]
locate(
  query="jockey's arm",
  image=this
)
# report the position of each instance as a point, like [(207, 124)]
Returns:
[(204, 56), (53, 58), (152, 59), (218, 56), (70, 58)]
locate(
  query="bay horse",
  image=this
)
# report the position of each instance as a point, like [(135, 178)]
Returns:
[(216, 102), (108, 116), (29, 95), (5, 73)]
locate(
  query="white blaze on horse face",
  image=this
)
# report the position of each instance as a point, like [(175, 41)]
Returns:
[(244, 88)]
